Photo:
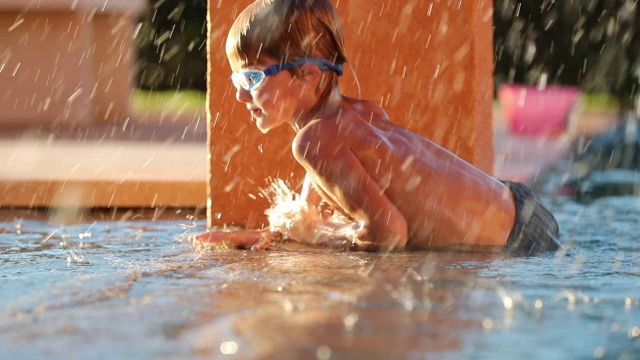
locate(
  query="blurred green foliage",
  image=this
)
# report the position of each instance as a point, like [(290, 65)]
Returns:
[(169, 101), (172, 45)]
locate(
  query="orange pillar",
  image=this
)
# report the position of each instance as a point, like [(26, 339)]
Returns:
[(428, 63)]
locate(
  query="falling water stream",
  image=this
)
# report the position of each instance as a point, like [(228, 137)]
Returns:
[(135, 288)]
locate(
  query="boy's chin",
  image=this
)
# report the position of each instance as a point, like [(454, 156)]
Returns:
[(264, 123), (263, 126)]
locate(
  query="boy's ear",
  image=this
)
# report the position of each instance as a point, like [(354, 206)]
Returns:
[(310, 74)]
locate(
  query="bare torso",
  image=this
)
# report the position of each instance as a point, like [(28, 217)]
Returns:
[(375, 171)]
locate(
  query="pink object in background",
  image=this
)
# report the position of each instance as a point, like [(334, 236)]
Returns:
[(530, 110)]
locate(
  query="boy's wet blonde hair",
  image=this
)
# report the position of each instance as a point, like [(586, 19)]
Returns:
[(287, 30)]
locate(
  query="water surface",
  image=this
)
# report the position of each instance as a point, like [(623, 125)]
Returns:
[(130, 286)]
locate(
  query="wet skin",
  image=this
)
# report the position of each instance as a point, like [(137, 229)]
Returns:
[(407, 191)]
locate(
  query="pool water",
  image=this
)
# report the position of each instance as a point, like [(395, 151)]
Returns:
[(131, 286)]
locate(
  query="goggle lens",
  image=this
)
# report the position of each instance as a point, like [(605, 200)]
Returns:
[(247, 79)]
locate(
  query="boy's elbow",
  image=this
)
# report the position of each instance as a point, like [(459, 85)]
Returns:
[(397, 242), (382, 245), (386, 240), (397, 234)]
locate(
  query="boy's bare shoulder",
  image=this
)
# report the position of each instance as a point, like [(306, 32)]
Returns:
[(354, 123), (320, 131), (368, 109), (329, 135)]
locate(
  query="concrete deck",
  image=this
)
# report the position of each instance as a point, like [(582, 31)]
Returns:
[(160, 160), (152, 161)]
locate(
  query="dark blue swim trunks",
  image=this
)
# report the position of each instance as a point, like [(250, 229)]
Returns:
[(535, 230)]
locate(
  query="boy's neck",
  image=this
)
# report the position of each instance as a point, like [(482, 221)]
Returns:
[(324, 108)]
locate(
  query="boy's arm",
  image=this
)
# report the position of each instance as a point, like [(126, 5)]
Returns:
[(304, 230), (345, 236), (308, 194), (312, 198), (310, 226), (381, 225)]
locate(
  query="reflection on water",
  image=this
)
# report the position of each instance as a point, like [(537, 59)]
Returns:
[(136, 288)]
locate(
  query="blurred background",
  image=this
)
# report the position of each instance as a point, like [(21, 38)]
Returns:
[(566, 85), (592, 44)]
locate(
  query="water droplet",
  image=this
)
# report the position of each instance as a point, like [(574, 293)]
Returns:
[(229, 347), (598, 352), (350, 321), (507, 302), (323, 352)]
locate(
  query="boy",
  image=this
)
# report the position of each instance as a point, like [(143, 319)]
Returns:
[(396, 189)]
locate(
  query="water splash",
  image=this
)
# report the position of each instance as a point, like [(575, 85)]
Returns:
[(297, 220), (74, 254), (71, 250)]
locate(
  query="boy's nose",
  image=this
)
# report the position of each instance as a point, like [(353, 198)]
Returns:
[(243, 95)]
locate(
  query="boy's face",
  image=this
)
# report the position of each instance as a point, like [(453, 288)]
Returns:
[(274, 101)]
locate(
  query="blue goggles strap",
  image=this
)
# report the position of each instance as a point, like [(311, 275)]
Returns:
[(323, 64)]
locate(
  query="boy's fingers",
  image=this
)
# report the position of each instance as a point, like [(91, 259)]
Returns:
[(261, 244), (210, 236), (200, 237), (193, 238)]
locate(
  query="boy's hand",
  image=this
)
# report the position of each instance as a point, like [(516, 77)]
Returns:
[(241, 239)]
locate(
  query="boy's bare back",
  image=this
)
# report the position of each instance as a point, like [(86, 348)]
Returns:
[(370, 169)]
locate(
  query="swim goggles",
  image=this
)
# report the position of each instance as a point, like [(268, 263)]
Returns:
[(250, 79)]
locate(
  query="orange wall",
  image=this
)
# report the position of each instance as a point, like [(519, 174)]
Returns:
[(64, 65), (429, 63)]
